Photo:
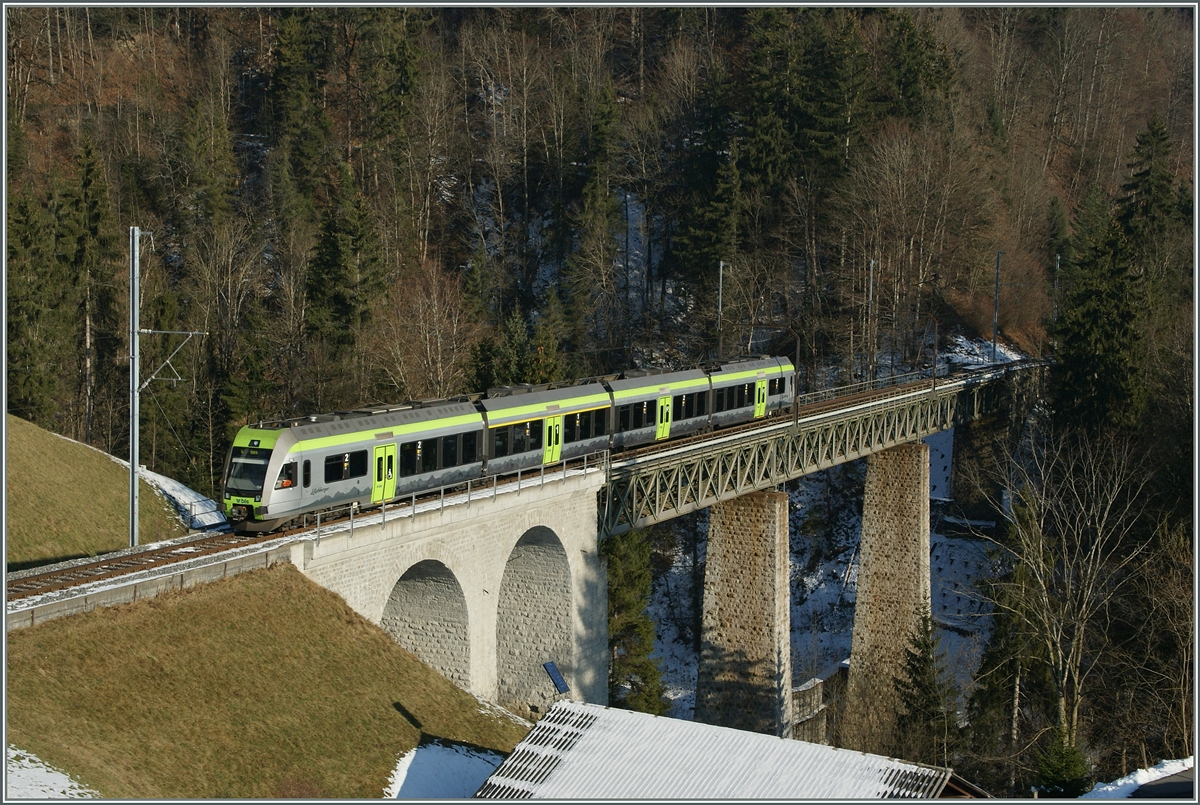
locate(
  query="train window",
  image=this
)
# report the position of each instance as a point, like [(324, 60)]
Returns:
[(499, 442), (520, 438), (585, 424), (287, 476), (623, 419), (570, 427), (639, 415), (307, 474), (599, 422), (336, 467), (428, 450), (408, 459), (391, 467), (359, 464), (536, 430), (468, 448), (378, 469), (701, 403), (743, 394), (449, 451), (677, 406), (718, 400)]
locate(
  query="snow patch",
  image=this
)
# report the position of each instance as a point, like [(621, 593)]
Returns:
[(27, 777), (1123, 788), (441, 770)]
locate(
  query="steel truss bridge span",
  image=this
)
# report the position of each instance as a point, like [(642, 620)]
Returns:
[(646, 489)]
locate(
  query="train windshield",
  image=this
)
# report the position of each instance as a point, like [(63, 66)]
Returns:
[(247, 471)]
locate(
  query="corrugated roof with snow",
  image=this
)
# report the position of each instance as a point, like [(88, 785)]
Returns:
[(581, 750)]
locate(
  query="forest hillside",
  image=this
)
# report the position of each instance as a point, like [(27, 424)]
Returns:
[(402, 203)]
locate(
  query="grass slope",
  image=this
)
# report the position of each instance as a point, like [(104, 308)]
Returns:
[(262, 685), (48, 478)]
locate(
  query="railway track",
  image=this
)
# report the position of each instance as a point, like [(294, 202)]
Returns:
[(118, 565), (125, 562)]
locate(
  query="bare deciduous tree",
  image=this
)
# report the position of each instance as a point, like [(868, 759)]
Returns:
[(426, 335), (1076, 499)]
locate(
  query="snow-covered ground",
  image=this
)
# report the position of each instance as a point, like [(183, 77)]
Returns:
[(27, 777), (1123, 788), (441, 771)]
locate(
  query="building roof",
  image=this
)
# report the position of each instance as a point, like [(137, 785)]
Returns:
[(581, 750)]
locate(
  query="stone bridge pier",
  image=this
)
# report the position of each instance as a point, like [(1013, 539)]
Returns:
[(744, 680), (485, 593)]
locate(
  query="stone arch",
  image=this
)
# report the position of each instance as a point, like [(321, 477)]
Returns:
[(426, 613), (533, 622)]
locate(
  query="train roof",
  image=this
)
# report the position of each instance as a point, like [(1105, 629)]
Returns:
[(374, 418)]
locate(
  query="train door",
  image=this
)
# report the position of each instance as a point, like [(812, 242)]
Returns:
[(384, 485), (663, 429), (552, 440), (760, 399)]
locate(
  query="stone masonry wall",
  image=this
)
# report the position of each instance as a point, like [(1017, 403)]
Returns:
[(427, 614), (745, 674), (533, 622), (475, 544), (893, 588)]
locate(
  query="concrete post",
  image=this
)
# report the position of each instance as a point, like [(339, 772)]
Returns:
[(745, 674), (893, 589)]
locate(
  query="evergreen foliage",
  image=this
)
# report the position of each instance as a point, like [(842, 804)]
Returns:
[(1062, 769), (927, 721), (1098, 373), (634, 679)]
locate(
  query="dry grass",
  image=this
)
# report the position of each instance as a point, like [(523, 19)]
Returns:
[(262, 685), (48, 479)]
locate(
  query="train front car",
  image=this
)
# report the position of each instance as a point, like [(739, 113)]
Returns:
[(260, 477)]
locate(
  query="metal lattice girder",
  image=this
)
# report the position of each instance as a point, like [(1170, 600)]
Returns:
[(646, 490)]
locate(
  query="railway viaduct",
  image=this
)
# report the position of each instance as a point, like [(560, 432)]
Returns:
[(487, 585), (488, 588)]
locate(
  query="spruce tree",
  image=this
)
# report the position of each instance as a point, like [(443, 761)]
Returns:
[(926, 722), (89, 249), (1062, 771), (1148, 208), (37, 306), (634, 678), (1097, 376)]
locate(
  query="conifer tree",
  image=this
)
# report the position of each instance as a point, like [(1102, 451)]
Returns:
[(302, 129), (926, 722), (1097, 375), (38, 329), (1062, 769), (590, 279), (1148, 208), (634, 678), (546, 348), (88, 247)]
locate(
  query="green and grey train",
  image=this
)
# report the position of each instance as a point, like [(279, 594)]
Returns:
[(278, 471)]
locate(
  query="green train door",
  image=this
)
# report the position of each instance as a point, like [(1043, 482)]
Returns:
[(552, 439), (760, 399), (663, 429), (384, 486)]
